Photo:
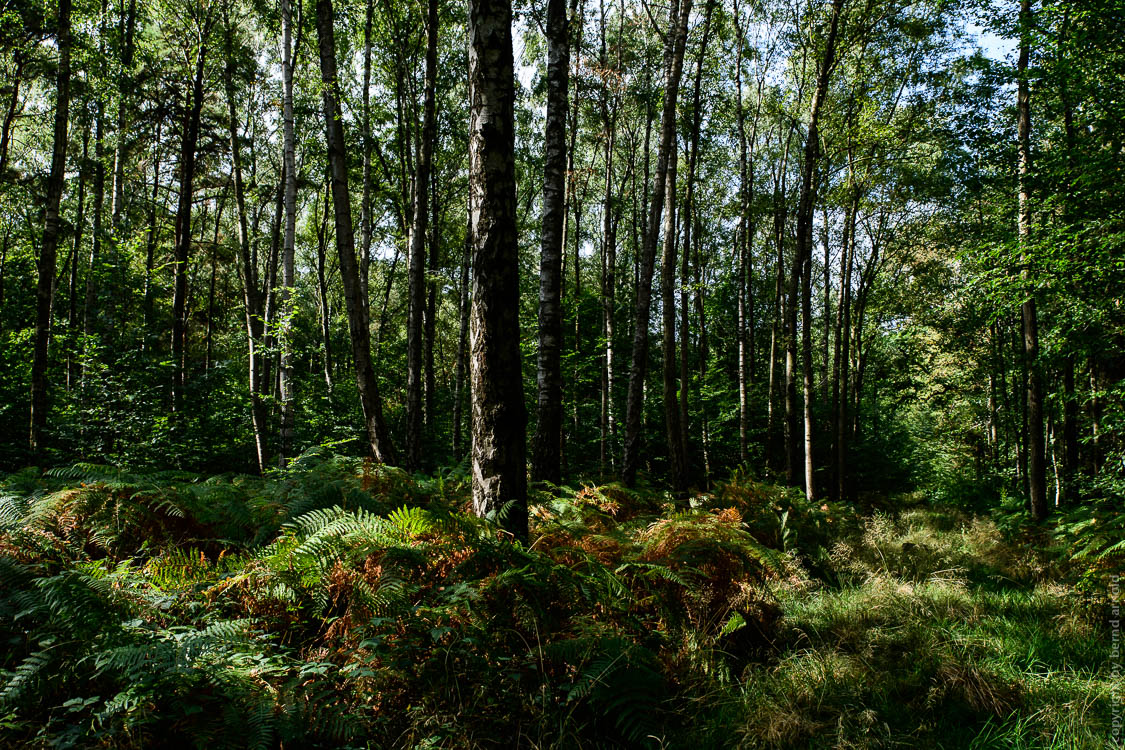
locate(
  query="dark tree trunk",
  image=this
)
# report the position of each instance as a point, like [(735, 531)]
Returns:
[(547, 444), (685, 254), (45, 287), (1036, 450), (10, 114), (358, 325), (322, 289), (743, 245), (248, 269), (150, 238), (498, 411), (610, 219), (462, 345), (675, 41), (777, 325), (416, 296), (673, 427), (285, 294), (802, 267), (365, 125), (75, 252), (183, 227), (124, 91)]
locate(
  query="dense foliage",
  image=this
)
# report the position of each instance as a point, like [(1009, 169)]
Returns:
[(571, 374), (343, 605)]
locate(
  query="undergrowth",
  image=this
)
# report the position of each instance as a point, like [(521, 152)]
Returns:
[(342, 604)]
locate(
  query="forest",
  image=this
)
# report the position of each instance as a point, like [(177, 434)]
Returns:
[(562, 374)]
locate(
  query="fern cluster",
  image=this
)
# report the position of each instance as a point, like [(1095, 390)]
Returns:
[(342, 604)]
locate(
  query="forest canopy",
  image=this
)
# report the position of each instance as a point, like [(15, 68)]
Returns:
[(567, 288)]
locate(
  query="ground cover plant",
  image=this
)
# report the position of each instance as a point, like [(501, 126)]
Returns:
[(342, 605)]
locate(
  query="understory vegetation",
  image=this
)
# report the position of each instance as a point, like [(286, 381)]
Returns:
[(344, 604)]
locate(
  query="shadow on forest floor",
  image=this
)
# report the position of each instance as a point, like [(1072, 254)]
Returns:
[(340, 604), (938, 633)]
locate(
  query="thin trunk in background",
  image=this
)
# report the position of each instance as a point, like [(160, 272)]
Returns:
[(365, 127), (248, 270), (547, 443), (675, 40), (322, 287), (182, 249), (45, 286), (75, 252), (358, 324), (124, 91), (462, 345), (288, 242), (1036, 451), (417, 259), (802, 267)]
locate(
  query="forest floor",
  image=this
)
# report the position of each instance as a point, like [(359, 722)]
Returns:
[(930, 606), (338, 605)]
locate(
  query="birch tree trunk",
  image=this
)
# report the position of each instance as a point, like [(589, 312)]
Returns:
[(547, 444), (417, 275), (288, 238)]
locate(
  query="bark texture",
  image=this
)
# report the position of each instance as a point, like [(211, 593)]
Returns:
[(499, 466), (547, 446)]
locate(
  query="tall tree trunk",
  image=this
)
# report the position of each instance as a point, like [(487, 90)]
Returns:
[(843, 340), (271, 364), (150, 237), (743, 244), (688, 222), (807, 372), (358, 324), (677, 470), (93, 271), (462, 344), (211, 287), (826, 329), (547, 444), (4, 263), (248, 269), (802, 266), (1036, 460), (704, 354), (75, 252), (288, 242), (498, 411), (45, 287), (610, 218), (777, 324), (10, 114), (124, 91), (365, 125), (322, 288), (430, 332), (183, 223), (675, 40), (1070, 402), (417, 275)]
